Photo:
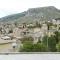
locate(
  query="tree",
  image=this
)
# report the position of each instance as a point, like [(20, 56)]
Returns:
[(38, 24), (27, 44), (52, 44), (39, 40), (58, 47), (49, 24), (44, 40), (57, 36), (24, 25), (27, 47), (10, 31), (30, 47), (39, 47), (1, 30), (47, 44)]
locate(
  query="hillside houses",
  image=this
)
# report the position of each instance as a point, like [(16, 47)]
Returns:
[(57, 22), (17, 32), (26, 30), (37, 32)]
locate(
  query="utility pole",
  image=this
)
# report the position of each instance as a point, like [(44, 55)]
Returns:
[(48, 34)]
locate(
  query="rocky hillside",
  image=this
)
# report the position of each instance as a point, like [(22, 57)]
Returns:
[(33, 14)]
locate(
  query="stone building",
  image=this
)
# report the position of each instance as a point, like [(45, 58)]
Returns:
[(17, 32)]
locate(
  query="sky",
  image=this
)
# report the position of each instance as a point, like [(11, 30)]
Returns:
[(8, 7)]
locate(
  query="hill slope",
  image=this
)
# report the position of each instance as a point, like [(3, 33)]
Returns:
[(34, 14)]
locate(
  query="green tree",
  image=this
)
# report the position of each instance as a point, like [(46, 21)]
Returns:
[(38, 24), (30, 47), (57, 36), (44, 40), (47, 44), (48, 26), (58, 47), (52, 44), (39, 47), (27, 47)]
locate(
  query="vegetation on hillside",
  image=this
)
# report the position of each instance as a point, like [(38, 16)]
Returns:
[(34, 14), (48, 44)]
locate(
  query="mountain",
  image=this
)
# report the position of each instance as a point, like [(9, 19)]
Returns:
[(33, 14)]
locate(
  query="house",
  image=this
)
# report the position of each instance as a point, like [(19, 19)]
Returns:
[(36, 29), (30, 25), (25, 32), (44, 28), (5, 38), (37, 35), (51, 32), (17, 32), (56, 21), (53, 21)]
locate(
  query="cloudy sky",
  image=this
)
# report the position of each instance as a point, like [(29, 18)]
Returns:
[(8, 7)]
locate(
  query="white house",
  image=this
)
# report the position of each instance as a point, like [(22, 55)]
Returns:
[(6, 38), (56, 21)]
